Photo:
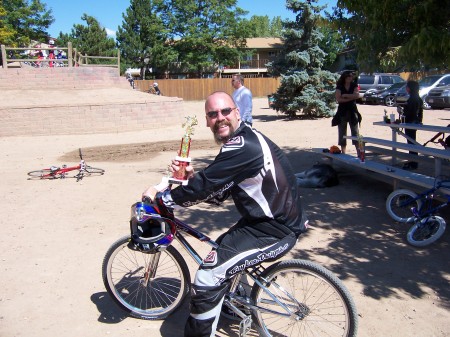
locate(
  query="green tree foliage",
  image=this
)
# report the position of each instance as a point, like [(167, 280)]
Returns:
[(205, 33), (332, 43), (305, 88), (143, 37), (6, 31), (23, 21), (90, 39), (262, 26), (391, 33)]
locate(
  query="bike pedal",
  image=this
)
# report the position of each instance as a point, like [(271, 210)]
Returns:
[(245, 326)]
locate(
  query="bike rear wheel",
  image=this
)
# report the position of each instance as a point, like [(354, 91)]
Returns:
[(399, 204), (426, 231), (42, 174), (126, 275), (319, 303)]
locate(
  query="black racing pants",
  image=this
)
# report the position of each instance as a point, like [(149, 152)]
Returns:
[(242, 246)]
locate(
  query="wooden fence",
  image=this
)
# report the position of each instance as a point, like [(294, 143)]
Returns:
[(199, 89), (74, 58)]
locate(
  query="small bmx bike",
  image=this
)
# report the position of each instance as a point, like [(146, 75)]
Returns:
[(78, 171)]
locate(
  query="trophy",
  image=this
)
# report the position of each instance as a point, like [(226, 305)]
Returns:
[(180, 176)]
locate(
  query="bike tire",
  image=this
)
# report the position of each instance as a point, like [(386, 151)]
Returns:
[(426, 231), (399, 204), (93, 171), (322, 305), (124, 271), (42, 174)]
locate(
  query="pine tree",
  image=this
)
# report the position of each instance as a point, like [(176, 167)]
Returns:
[(143, 39), (90, 39), (305, 87)]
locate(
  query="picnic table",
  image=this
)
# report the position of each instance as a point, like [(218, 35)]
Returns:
[(392, 147)]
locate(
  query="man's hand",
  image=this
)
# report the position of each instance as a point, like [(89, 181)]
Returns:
[(150, 193), (175, 167)]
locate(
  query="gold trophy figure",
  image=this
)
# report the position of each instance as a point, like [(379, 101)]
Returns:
[(180, 176)]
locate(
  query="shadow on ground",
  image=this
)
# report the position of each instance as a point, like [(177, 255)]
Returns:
[(366, 245)]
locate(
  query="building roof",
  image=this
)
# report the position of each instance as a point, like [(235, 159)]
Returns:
[(264, 42)]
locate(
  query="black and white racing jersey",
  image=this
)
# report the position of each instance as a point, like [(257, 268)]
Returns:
[(257, 175)]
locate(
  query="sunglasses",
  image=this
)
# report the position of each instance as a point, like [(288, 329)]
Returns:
[(224, 112)]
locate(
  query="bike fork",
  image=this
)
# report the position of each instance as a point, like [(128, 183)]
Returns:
[(151, 268)]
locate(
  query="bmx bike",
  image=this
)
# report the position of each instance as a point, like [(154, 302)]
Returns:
[(420, 209), (149, 278), (78, 171)]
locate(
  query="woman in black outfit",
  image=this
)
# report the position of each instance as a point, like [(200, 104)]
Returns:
[(413, 113), (346, 95)]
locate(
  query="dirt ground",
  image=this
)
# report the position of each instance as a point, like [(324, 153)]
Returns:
[(54, 234)]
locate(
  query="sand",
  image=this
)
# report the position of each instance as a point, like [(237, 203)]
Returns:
[(54, 234)]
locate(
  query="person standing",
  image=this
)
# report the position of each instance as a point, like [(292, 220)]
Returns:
[(347, 113), (413, 113), (243, 98), (255, 173)]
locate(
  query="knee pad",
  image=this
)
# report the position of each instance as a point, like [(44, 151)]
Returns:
[(205, 298)]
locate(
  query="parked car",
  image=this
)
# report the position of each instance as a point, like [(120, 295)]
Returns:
[(377, 81), (439, 97), (425, 85), (384, 96)]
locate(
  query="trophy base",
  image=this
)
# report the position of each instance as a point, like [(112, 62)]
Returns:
[(177, 181)]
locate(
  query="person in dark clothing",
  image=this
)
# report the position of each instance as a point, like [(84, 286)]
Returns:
[(346, 95), (256, 174), (413, 113)]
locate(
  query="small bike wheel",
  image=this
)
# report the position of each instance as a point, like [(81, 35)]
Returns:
[(140, 290), (426, 231), (93, 171), (318, 302), (42, 174), (399, 204)]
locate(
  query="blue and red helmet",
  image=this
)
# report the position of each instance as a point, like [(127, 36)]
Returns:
[(149, 230)]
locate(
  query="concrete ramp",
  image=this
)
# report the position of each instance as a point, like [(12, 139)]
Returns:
[(44, 101)]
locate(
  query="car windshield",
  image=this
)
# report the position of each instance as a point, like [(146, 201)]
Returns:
[(427, 81)]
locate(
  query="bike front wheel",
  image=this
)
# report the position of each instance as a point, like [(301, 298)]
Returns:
[(426, 231), (399, 204), (148, 286), (314, 302), (93, 171)]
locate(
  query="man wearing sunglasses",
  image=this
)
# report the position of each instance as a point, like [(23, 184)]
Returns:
[(243, 98), (255, 173)]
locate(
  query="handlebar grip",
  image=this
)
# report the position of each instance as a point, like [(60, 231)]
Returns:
[(147, 200)]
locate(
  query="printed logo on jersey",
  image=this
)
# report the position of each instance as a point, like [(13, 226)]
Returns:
[(258, 259), (233, 144), (210, 259)]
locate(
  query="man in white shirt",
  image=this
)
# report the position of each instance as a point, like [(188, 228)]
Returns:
[(243, 98)]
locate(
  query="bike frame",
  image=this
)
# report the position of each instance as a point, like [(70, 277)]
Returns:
[(426, 208), (64, 169), (182, 227)]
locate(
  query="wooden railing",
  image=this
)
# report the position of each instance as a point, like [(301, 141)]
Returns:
[(73, 58)]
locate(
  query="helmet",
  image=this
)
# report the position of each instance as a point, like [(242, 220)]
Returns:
[(155, 84), (149, 231)]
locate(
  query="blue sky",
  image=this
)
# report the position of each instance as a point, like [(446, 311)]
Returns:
[(109, 13)]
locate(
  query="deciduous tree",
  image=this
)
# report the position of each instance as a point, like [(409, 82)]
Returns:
[(23, 21), (391, 33), (205, 33)]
